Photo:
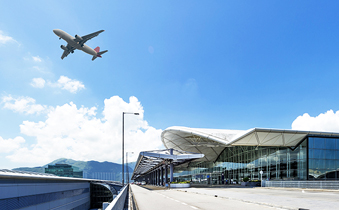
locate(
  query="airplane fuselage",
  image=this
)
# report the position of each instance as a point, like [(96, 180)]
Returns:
[(70, 40)]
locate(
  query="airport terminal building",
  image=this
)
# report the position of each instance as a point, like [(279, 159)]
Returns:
[(236, 154)]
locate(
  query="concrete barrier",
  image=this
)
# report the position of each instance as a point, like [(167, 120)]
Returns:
[(119, 202), (334, 185), (180, 185)]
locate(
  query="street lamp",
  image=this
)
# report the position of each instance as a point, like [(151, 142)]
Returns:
[(123, 152), (127, 166)]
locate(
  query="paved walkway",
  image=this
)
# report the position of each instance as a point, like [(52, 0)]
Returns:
[(278, 197), (234, 198), (162, 199)]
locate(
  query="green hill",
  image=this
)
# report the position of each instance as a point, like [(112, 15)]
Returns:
[(92, 169)]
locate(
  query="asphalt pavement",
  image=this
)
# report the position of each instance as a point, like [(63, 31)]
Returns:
[(155, 198)]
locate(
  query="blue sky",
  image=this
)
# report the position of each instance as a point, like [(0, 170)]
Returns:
[(204, 64)]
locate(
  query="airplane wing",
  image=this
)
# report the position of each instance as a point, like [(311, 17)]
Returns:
[(82, 40), (67, 51)]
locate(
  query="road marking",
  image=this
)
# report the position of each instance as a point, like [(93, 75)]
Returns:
[(193, 207), (184, 203)]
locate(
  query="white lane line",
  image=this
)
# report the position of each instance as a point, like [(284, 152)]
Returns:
[(176, 201), (184, 203), (193, 207)]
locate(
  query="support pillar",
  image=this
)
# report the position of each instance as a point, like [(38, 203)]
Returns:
[(156, 175), (171, 172), (166, 173), (162, 176), (171, 167), (152, 178)]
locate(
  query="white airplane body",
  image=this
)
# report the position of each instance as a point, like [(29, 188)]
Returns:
[(78, 42)]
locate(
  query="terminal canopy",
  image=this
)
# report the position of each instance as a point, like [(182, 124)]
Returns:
[(211, 142), (150, 160)]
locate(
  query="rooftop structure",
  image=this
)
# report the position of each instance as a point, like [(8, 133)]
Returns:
[(21, 190), (230, 155), (153, 159)]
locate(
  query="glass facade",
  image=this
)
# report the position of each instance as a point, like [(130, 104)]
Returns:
[(315, 158), (63, 170), (323, 156)]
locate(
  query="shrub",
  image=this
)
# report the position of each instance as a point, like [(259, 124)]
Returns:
[(183, 182), (246, 179)]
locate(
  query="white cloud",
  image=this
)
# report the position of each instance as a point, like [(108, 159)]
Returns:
[(39, 69), (36, 59), (5, 39), (65, 83), (76, 132), (22, 104), (71, 85), (10, 145), (328, 121), (38, 82)]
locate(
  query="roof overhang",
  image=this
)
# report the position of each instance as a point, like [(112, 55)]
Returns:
[(211, 142), (150, 160)]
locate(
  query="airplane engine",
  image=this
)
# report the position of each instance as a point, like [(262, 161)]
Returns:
[(63, 47), (79, 38)]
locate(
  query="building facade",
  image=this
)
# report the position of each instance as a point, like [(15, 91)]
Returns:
[(63, 170), (231, 155)]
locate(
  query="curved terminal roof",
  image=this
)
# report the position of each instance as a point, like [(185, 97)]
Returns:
[(150, 160), (211, 142)]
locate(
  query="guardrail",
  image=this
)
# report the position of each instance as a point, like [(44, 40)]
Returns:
[(334, 185), (118, 202)]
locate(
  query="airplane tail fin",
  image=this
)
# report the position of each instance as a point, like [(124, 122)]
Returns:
[(97, 49)]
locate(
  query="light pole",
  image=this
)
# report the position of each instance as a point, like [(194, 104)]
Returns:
[(123, 151), (127, 166)]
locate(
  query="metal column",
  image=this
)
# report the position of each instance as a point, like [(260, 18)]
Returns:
[(162, 176), (156, 177), (171, 167), (152, 178), (158, 170), (166, 173)]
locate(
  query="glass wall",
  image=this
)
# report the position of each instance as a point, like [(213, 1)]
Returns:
[(316, 158), (323, 158), (236, 163)]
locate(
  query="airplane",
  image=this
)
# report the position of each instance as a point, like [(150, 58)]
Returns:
[(78, 42)]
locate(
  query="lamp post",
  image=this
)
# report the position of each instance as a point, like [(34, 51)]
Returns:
[(127, 166), (123, 151)]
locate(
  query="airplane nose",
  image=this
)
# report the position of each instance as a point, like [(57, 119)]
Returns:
[(56, 31)]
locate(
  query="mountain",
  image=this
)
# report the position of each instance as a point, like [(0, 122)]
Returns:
[(91, 169), (35, 169)]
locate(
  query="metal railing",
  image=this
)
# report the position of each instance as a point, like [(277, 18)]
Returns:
[(333, 185)]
